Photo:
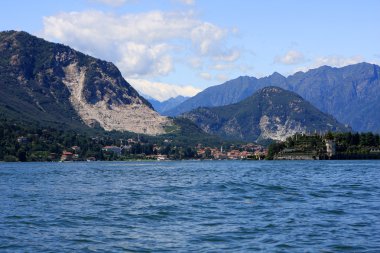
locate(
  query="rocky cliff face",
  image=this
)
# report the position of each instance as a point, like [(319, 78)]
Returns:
[(52, 83), (270, 113)]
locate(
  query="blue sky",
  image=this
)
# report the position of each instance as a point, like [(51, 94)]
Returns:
[(169, 47)]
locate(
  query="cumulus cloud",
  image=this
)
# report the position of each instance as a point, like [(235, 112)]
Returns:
[(290, 58), (333, 61), (162, 91), (205, 36), (142, 45), (145, 60)]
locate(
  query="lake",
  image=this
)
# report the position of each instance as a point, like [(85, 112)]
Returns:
[(182, 206)]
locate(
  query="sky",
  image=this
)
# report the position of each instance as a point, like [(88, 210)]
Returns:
[(166, 48)]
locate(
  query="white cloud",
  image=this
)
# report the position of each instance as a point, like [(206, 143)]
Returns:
[(231, 56), (188, 2), (162, 91), (205, 37), (205, 75), (220, 66), (195, 62), (337, 61), (142, 45), (144, 60), (333, 61), (290, 58), (114, 3)]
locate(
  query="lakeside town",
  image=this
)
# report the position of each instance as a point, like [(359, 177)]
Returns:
[(248, 151), (25, 144), (305, 147), (298, 147)]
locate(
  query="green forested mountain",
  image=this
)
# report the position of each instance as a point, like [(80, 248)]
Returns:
[(270, 113)]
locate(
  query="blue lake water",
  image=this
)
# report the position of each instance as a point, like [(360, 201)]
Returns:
[(210, 206)]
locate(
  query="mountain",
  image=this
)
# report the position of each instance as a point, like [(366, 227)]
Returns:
[(227, 93), (55, 85), (349, 93), (270, 113), (167, 105)]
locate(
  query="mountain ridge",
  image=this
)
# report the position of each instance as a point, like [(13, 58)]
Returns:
[(54, 84), (164, 106), (348, 93), (270, 113)]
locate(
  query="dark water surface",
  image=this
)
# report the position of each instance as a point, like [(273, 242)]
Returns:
[(214, 206)]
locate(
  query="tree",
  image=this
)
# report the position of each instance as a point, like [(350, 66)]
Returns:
[(355, 140), (207, 153), (363, 140), (275, 148), (10, 158), (21, 155), (189, 153), (371, 141), (329, 136)]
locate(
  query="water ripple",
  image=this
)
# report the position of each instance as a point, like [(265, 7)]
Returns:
[(233, 206)]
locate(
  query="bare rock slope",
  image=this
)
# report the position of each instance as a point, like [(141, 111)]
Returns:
[(56, 85), (270, 113)]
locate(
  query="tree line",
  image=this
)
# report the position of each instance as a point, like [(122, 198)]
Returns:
[(23, 142), (347, 145)]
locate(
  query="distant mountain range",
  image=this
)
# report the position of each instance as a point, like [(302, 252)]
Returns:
[(270, 113), (167, 105), (56, 85), (350, 94)]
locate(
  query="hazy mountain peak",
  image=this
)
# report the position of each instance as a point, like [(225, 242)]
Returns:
[(276, 75), (164, 106), (349, 93)]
